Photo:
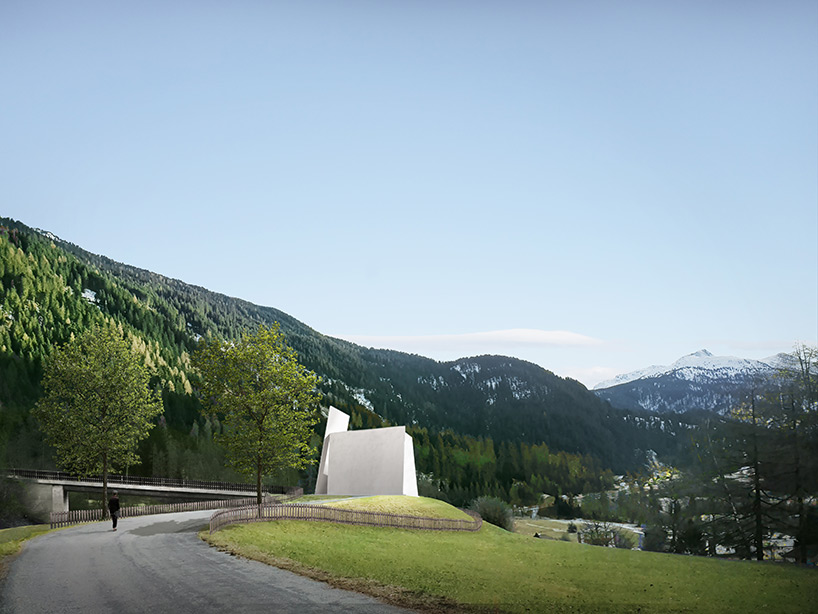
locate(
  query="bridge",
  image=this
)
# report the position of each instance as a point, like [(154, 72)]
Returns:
[(47, 491)]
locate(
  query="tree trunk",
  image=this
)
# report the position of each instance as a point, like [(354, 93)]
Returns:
[(758, 536), (800, 546), (258, 486), (806, 359), (105, 485)]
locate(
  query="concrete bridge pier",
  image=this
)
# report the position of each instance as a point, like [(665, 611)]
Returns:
[(59, 498), (42, 499)]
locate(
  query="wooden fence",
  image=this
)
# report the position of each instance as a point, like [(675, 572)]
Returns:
[(322, 513), (64, 519)]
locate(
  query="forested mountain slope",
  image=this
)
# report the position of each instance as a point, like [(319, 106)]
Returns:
[(52, 289)]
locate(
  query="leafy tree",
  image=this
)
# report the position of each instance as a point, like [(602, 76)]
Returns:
[(96, 404), (596, 533), (268, 400)]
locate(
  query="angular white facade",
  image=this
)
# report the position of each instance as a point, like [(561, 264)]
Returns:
[(369, 462)]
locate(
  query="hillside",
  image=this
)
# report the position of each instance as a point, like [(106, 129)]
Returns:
[(52, 289)]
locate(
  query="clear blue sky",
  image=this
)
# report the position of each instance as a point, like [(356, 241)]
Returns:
[(640, 176)]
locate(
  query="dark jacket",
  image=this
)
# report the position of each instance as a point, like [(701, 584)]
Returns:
[(113, 505)]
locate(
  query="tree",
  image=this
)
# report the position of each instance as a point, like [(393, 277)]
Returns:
[(796, 465), (97, 405), (759, 462), (731, 474), (268, 400)]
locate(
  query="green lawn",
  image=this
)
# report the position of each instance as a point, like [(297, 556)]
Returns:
[(546, 527), (516, 573), (318, 498), (407, 506), (11, 540)]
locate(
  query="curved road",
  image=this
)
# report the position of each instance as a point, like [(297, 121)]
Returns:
[(158, 564)]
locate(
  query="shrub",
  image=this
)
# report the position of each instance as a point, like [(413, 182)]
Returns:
[(623, 540), (523, 495), (495, 511), (572, 528), (428, 487), (597, 533), (564, 508), (655, 539)]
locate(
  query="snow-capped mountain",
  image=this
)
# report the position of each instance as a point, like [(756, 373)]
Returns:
[(699, 365), (698, 381)]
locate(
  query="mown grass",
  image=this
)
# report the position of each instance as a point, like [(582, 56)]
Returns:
[(318, 498), (406, 506), (546, 527), (494, 569), (11, 540)]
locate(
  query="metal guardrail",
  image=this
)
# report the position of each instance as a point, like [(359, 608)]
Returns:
[(71, 517), (38, 474), (322, 513)]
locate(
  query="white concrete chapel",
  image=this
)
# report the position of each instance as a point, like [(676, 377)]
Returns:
[(367, 462)]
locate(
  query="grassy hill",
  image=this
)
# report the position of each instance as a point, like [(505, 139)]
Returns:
[(493, 570)]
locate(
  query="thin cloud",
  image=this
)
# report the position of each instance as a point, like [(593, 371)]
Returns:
[(484, 341)]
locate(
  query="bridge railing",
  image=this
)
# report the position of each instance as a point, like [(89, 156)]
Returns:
[(323, 513), (64, 519), (38, 474)]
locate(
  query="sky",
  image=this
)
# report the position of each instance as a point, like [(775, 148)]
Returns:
[(591, 186)]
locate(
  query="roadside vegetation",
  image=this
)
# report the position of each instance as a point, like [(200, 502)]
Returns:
[(11, 540), (495, 569)]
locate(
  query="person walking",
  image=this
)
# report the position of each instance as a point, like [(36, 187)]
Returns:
[(113, 507)]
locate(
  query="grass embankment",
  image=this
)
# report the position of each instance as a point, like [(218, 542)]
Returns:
[(318, 499), (495, 569), (407, 506), (11, 540)]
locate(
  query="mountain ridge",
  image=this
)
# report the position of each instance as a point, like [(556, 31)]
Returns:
[(702, 362), (694, 382)]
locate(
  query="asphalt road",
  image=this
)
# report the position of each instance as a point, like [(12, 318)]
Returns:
[(158, 564)]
